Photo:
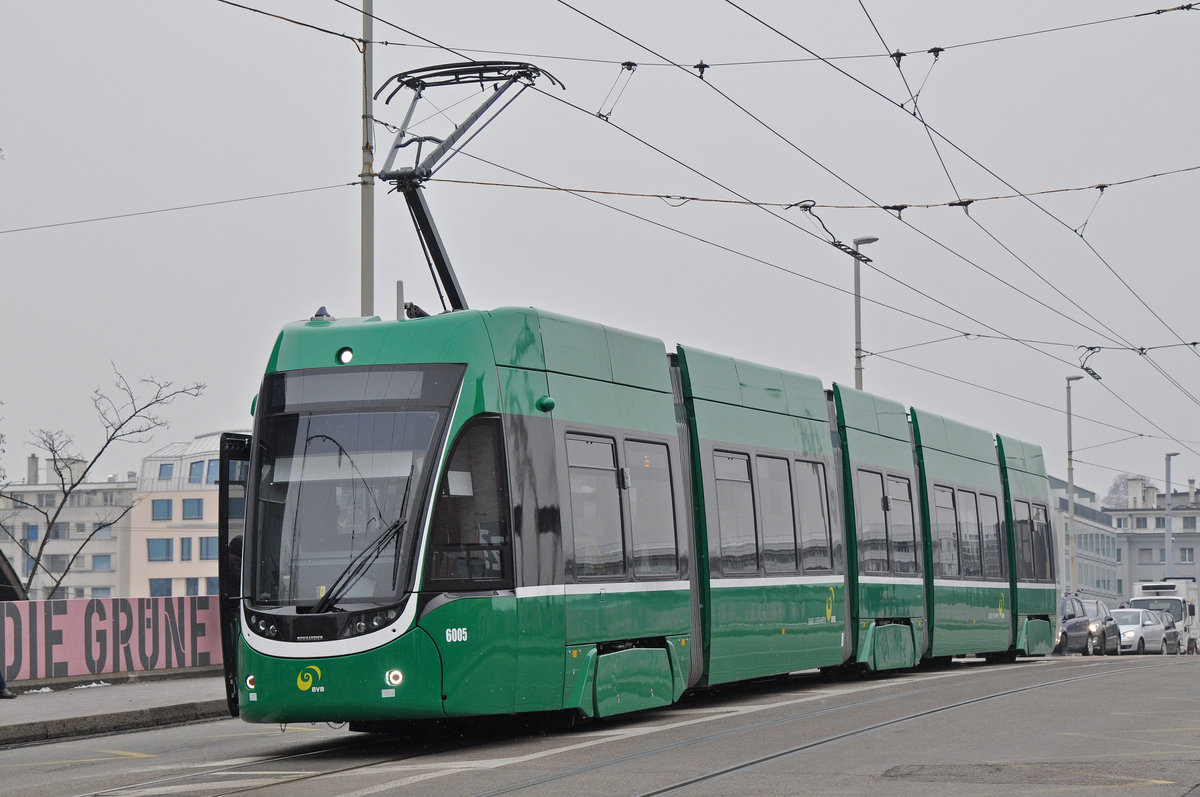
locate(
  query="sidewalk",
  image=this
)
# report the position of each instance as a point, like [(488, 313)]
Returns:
[(82, 710)]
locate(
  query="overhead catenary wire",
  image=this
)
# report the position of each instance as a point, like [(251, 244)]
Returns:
[(974, 160), (1024, 196), (827, 169), (175, 208)]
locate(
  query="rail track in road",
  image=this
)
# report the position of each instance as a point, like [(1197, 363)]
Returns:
[(388, 762)]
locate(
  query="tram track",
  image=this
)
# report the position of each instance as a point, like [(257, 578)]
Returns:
[(759, 760), (396, 756)]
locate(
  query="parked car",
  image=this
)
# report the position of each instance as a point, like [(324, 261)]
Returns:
[(1087, 627), (1171, 632), (1103, 627), (1141, 631)]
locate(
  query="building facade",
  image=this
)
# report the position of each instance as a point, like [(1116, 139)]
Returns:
[(1096, 548), (90, 529), (1144, 539), (172, 545)]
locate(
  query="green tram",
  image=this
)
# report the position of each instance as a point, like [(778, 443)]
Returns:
[(491, 512)]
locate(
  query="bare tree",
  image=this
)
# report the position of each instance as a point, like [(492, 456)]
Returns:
[(129, 415), (1118, 493)]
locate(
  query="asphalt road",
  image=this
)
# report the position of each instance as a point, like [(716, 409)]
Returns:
[(1062, 725)]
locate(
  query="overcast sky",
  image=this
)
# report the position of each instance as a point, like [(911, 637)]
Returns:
[(126, 108)]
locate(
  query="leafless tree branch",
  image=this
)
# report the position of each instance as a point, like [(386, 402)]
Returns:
[(129, 415)]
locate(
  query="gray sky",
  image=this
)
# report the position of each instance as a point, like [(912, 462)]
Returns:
[(129, 107)]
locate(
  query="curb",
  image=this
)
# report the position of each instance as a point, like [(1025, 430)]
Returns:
[(137, 719)]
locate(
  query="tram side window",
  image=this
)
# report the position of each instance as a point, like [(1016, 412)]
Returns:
[(1043, 562), (902, 531), (995, 562), (816, 548), (595, 507), (872, 523), (470, 543), (651, 509), (778, 520), (1023, 531), (735, 514), (968, 530), (945, 533)]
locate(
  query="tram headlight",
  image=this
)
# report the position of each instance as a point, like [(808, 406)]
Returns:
[(394, 677), (360, 627)]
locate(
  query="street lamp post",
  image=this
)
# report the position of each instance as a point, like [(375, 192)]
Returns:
[(866, 239), (1167, 521), (1070, 531)]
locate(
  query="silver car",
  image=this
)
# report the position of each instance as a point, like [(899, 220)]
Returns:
[(1141, 631)]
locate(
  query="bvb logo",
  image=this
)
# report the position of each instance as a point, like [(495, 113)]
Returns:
[(304, 681), (1001, 605), (829, 606)]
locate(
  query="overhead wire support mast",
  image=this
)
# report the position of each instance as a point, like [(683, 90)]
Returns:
[(501, 75)]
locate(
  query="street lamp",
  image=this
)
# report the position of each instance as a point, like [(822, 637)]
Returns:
[(1070, 531), (866, 239), (1167, 521)]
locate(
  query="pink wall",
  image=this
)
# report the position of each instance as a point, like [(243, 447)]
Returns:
[(65, 638)]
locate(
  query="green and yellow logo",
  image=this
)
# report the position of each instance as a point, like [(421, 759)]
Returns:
[(306, 682), (829, 605), (1001, 605)]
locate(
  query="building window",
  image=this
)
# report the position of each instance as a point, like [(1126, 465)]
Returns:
[(1160, 522), (193, 586), (57, 562), (47, 500), (160, 588), (160, 549), (1162, 554), (237, 507), (185, 549), (1122, 522), (166, 470), (193, 509), (196, 472), (213, 585), (160, 509), (1118, 555), (60, 531), (208, 548), (101, 592), (1187, 554), (214, 471), (31, 532), (1139, 522), (1189, 523), (102, 563), (103, 531), (1120, 587), (1144, 556), (80, 529)]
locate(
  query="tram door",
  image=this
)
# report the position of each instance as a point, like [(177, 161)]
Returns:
[(231, 511), (472, 617)]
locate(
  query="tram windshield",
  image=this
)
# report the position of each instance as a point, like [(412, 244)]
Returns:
[(341, 464)]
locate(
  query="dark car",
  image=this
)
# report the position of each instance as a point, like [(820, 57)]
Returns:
[(1170, 634), (1087, 627)]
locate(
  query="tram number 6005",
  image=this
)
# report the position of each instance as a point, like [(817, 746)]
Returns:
[(456, 635)]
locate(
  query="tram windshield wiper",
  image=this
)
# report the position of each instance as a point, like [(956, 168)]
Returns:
[(359, 565)]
